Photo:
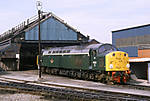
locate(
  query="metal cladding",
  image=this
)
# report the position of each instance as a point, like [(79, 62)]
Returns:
[(51, 29), (133, 50), (130, 32), (130, 39), (144, 53)]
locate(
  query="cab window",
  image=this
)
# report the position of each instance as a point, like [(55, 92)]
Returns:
[(94, 52), (104, 49)]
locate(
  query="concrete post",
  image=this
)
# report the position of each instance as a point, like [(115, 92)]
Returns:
[(18, 61), (148, 72)]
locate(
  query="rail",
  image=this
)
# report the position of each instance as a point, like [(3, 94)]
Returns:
[(70, 92)]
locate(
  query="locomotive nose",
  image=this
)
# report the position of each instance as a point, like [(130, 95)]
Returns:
[(117, 61)]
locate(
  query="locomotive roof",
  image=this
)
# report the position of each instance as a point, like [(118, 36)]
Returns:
[(82, 49)]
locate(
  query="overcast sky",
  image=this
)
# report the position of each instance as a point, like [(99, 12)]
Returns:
[(96, 18)]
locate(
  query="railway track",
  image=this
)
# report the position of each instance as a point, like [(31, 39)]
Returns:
[(139, 87), (64, 91), (133, 86)]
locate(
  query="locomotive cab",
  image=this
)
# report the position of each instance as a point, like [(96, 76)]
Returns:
[(97, 56), (113, 62)]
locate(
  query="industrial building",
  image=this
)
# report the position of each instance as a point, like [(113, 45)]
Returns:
[(133, 40), (136, 42), (19, 46)]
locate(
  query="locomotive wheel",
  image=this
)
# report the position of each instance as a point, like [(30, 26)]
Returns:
[(91, 76), (74, 74), (96, 77), (101, 76), (85, 76), (109, 80), (78, 75), (48, 71), (71, 74)]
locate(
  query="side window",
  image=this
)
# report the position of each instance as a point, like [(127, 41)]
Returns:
[(110, 48), (49, 52), (104, 49), (68, 51), (101, 49), (94, 53)]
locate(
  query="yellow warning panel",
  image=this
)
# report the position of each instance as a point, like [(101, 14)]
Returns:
[(117, 61)]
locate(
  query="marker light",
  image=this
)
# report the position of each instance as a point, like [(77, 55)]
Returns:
[(111, 66), (125, 54), (128, 65), (113, 54)]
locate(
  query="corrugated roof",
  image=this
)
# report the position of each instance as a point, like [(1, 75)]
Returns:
[(134, 27), (50, 14), (32, 22)]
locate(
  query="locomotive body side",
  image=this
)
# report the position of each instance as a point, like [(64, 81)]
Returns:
[(66, 61), (79, 59), (74, 62)]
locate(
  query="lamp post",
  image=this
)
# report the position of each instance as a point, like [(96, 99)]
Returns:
[(39, 7)]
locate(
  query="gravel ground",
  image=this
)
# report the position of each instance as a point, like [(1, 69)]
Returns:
[(7, 96), (20, 97), (12, 96)]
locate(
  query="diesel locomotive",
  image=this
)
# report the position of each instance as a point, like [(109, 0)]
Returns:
[(97, 62)]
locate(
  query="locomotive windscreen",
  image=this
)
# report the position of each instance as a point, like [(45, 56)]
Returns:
[(106, 48)]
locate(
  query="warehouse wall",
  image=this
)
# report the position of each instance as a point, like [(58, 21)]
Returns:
[(51, 29), (133, 41), (131, 32), (128, 40), (144, 53), (132, 51)]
